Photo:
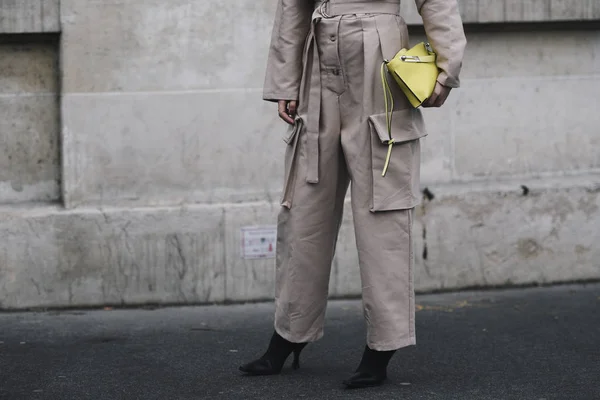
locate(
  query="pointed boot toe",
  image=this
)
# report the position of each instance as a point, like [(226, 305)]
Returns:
[(372, 370), (364, 380), (259, 367), (271, 363)]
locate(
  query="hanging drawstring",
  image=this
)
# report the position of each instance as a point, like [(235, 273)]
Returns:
[(389, 110)]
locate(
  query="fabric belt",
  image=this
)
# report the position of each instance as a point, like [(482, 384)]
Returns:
[(332, 8), (325, 9)]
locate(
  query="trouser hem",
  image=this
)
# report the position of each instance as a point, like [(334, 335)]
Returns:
[(389, 346), (296, 338)]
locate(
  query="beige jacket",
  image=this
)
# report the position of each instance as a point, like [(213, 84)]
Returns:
[(441, 19)]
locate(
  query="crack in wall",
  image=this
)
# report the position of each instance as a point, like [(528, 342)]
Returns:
[(428, 197)]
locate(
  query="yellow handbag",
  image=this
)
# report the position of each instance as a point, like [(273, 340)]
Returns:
[(416, 72)]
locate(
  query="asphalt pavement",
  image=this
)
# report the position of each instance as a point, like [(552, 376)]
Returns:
[(535, 343)]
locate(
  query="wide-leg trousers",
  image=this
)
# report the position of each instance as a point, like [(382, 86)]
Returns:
[(342, 62)]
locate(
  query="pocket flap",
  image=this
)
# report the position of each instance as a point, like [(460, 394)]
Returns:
[(407, 125)]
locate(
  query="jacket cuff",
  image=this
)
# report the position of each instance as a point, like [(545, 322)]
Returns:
[(276, 96), (445, 80)]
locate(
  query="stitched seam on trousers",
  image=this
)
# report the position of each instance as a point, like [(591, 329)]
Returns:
[(400, 29), (372, 186), (381, 49), (411, 302), (291, 307), (410, 171), (294, 165), (290, 276), (340, 63), (363, 116)]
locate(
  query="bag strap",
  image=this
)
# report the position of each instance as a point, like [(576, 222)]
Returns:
[(388, 99)]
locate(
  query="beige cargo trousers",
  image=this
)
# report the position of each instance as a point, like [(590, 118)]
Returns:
[(337, 139)]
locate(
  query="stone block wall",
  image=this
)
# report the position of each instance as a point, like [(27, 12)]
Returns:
[(29, 120), (29, 16)]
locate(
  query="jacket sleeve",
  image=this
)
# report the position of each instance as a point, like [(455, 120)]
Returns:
[(444, 29), (284, 63)]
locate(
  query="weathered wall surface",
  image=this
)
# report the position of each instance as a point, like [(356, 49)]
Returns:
[(52, 257), (521, 111), (165, 107), (467, 236), (29, 16), (500, 11), (29, 121), (198, 116), (168, 152)]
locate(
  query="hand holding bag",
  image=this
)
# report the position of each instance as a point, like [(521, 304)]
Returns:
[(415, 71)]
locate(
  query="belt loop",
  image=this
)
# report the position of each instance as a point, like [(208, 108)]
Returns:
[(325, 9)]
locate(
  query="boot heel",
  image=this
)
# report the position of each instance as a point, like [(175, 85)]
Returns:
[(273, 360), (297, 350)]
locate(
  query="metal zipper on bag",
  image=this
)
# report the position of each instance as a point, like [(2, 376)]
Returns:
[(414, 59)]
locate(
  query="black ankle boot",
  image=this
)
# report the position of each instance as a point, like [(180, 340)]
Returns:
[(273, 360), (372, 370)]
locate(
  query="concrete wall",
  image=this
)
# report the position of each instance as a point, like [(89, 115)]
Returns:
[(29, 16), (526, 108), (504, 11), (164, 107), (29, 120), (168, 152)]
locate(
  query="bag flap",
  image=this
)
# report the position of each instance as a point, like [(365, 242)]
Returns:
[(419, 50), (407, 125), (416, 79)]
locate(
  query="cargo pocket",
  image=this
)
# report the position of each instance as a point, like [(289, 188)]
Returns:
[(291, 138), (399, 188)]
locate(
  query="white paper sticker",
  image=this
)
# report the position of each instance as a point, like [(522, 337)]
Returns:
[(259, 242)]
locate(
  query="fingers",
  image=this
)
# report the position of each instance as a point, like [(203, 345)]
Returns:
[(284, 113), (292, 106), (441, 99), (431, 100), (438, 97)]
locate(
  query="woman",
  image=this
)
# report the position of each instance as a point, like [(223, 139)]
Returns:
[(323, 71)]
